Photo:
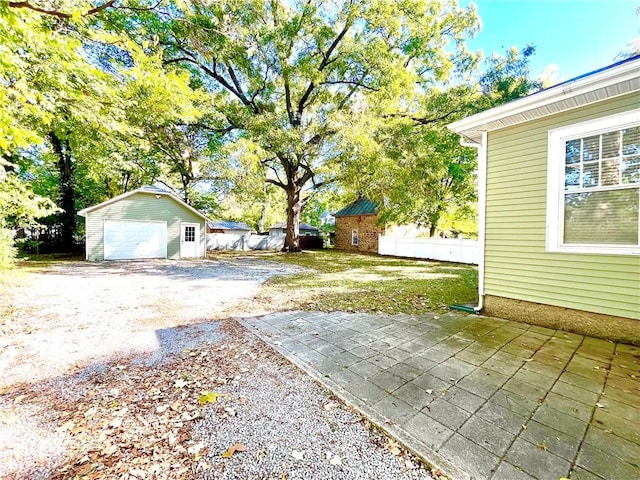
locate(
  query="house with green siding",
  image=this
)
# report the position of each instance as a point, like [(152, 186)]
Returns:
[(559, 204), (149, 222)]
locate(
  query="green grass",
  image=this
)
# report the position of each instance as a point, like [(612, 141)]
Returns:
[(368, 283)]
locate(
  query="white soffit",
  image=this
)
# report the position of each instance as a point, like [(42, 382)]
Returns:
[(610, 82)]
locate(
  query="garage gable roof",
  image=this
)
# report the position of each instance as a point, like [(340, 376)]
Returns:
[(148, 189), (618, 79)]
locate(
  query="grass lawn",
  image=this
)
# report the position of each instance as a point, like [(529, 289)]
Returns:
[(368, 283)]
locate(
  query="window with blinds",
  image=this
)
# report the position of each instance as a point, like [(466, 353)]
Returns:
[(602, 188), (593, 186)]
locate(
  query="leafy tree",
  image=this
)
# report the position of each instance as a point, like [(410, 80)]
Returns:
[(20, 208), (416, 168), (291, 76), (633, 47), (98, 106), (507, 78)]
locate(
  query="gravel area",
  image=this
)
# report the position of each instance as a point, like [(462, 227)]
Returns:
[(77, 314), (111, 371), (293, 429)]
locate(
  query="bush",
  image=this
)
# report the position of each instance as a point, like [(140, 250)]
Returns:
[(8, 250)]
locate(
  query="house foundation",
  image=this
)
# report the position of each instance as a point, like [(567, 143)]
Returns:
[(608, 327)]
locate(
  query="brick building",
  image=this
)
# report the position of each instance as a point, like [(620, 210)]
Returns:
[(357, 227)]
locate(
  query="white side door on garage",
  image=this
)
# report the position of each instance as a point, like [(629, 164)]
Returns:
[(190, 240), (132, 239)]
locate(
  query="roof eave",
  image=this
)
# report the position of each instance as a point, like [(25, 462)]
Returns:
[(609, 83)]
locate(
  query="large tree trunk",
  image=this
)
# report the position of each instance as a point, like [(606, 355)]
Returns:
[(294, 209), (66, 190)]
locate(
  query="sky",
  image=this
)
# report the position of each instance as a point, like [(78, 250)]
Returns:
[(572, 37)]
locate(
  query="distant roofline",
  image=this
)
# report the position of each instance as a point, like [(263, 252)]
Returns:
[(303, 226), (340, 213), (593, 72)]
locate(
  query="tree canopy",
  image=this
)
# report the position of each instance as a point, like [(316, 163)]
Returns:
[(244, 108), (293, 81)]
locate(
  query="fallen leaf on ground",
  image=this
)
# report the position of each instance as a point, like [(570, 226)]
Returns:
[(109, 450), (393, 447), (67, 426), (238, 447), (330, 406), (208, 397), (194, 449)]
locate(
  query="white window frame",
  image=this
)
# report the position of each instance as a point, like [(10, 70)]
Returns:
[(556, 175), (355, 237)]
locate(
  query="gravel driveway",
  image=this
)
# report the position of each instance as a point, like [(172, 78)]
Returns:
[(104, 368), (80, 313)]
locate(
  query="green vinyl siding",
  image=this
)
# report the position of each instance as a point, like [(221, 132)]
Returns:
[(141, 207), (516, 263)]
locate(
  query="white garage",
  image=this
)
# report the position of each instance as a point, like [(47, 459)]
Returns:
[(130, 239), (149, 222)]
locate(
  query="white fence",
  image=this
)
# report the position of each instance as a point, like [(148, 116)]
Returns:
[(446, 249), (233, 241)]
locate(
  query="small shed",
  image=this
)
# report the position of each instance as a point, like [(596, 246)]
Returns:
[(306, 230), (357, 226), (149, 222)]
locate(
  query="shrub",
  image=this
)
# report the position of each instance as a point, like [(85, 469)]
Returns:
[(8, 249)]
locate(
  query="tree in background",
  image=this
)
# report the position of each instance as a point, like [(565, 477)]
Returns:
[(84, 109), (416, 168), (292, 77), (248, 109), (633, 47)]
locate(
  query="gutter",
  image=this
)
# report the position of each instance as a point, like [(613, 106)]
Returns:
[(482, 209)]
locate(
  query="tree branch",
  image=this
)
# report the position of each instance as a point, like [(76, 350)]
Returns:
[(287, 96), (355, 83), (422, 120), (56, 13), (276, 183), (240, 93), (326, 59)]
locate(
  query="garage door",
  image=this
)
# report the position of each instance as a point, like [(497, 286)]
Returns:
[(129, 239)]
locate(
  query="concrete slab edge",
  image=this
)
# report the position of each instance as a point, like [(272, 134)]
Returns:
[(434, 460)]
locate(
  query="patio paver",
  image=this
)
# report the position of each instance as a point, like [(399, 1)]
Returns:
[(477, 397)]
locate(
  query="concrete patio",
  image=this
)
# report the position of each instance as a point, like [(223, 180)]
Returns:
[(477, 397)]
